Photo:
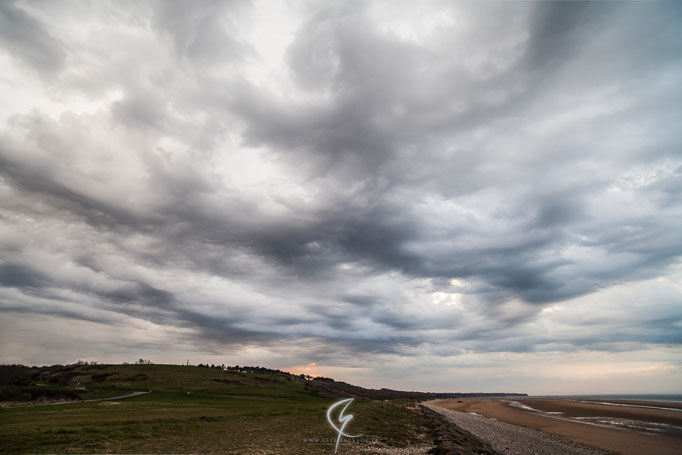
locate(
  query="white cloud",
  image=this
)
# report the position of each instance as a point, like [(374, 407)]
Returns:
[(468, 189)]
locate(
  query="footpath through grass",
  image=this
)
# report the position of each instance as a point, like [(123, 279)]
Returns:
[(200, 410)]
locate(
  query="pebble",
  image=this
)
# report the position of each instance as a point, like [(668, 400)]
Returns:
[(510, 439)]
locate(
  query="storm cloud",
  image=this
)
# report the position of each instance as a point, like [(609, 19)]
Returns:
[(346, 182)]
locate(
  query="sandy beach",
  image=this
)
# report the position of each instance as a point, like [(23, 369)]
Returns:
[(633, 428)]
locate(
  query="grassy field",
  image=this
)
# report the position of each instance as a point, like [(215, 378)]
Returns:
[(202, 410)]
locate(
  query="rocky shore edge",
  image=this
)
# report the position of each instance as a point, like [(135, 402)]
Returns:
[(449, 439)]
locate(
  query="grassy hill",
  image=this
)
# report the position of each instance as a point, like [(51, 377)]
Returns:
[(21, 383), (191, 410)]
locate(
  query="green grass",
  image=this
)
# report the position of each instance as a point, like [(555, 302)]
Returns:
[(248, 414)]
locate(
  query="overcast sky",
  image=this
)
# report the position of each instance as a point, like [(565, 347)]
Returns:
[(446, 196)]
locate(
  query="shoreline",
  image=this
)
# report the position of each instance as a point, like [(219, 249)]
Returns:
[(626, 426), (665, 405), (510, 439)]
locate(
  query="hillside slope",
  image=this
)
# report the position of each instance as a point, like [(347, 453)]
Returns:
[(81, 381)]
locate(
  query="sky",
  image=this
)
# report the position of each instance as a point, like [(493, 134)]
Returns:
[(438, 196)]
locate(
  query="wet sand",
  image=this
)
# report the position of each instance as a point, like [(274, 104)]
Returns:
[(626, 427)]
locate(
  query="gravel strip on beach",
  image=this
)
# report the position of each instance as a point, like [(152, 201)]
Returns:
[(514, 439)]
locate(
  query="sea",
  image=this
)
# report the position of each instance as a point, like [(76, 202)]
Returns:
[(673, 398), (642, 423)]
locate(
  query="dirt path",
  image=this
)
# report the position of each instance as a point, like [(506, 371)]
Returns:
[(120, 397)]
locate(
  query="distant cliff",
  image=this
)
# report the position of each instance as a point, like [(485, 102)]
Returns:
[(329, 388)]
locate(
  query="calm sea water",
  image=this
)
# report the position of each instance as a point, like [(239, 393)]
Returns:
[(636, 397), (639, 423)]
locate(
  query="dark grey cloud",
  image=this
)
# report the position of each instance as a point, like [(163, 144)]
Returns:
[(15, 276), (202, 32), (26, 39), (387, 186)]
